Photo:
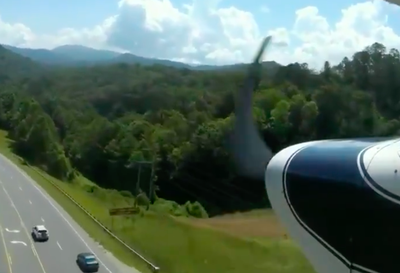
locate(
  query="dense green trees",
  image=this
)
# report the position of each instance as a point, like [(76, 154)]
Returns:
[(107, 122)]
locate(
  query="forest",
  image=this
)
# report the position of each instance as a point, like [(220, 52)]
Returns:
[(162, 131)]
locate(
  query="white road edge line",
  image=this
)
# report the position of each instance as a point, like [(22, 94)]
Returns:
[(51, 203), (20, 188), (26, 230), (30, 202), (59, 245), (42, 220)]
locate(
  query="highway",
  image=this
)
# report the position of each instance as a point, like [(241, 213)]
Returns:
[(23, 204)]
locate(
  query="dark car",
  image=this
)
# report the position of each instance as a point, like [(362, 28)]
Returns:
[(87, 262)]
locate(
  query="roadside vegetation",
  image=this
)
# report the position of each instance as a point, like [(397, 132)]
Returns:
[(176, 244), (109, 134)]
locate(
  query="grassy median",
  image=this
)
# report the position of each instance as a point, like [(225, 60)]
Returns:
[(174, 245)]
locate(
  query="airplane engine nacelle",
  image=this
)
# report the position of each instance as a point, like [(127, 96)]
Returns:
[(339, 199)]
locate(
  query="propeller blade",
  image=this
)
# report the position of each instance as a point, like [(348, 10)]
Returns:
[(250, 152)]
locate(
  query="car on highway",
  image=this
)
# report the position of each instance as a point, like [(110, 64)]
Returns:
[(87, 262), (40, 233)]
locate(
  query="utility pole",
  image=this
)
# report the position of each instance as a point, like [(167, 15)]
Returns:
[(151, 186), (138, 179), (139, 164)]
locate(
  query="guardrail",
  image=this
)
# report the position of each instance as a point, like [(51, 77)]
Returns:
[(152, 266)]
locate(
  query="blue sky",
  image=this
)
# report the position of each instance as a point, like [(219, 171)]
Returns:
[(51, 15), (45, 18)]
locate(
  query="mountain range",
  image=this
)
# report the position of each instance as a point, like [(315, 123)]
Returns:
[(77, 55)]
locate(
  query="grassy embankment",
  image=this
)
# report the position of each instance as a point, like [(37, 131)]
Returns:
[(250, 243)]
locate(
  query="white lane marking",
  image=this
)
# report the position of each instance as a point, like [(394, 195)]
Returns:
[(30, 202), (20, 188), (12, 230), (33, 183), (42, 220), (59, 245), (26, 230), (19, 242), (34, 252), (6, 250)]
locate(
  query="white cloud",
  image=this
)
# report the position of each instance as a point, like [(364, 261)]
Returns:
[(204, 33), (360, 25), (14, 33)]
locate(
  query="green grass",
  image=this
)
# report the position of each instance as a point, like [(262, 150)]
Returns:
[(76, 213), (175, 246)]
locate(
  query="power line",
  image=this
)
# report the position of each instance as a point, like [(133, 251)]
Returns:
[(202, 201), (215, 191), (224, 182)]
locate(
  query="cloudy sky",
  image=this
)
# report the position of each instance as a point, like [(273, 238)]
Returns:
[(205, 31)]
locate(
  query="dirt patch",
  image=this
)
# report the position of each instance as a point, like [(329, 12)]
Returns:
[(259, 223)]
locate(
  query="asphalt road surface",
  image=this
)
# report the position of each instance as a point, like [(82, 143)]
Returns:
[(23, 204)]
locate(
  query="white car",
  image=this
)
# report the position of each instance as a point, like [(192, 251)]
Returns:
[(40, 233)]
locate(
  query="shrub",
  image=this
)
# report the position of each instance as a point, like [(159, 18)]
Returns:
[(196, 210)]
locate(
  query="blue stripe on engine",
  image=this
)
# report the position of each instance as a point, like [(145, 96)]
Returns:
[(324, 189)]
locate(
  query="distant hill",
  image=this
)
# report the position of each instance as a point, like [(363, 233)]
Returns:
[(40, 55), (77, 55), (83, 53), (14, 65)]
